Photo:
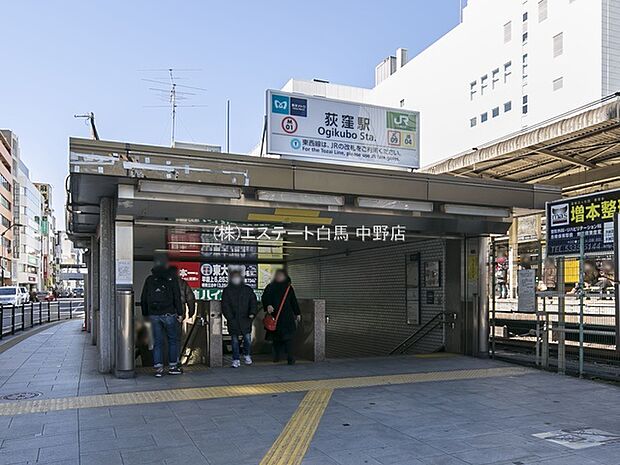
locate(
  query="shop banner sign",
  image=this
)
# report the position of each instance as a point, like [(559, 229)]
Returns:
[(190, 272), (320, 129), (592, 215), (215, 275)]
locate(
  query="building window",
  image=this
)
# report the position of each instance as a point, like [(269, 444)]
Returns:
[(507, 106), (483, 117), (472, 90), (525, 108), (5, 202), (4, 183), (543, 11), (507, 32), (524, 67), (524, 38), (558, 83), (473, 122), (558, 45), (494, 78), (402, 103), (495, 112), (5, 222), (483, 83), (507, 71), (525, 17)]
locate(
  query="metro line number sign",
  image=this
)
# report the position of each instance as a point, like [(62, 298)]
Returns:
[(320, 129), (289, 125)]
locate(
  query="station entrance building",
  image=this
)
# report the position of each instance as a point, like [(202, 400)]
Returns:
[(400, 259)]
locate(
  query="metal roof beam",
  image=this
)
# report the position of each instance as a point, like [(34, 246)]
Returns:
[(586, 177), (574, 161)]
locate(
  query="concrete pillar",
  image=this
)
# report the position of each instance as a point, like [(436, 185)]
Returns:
[(483, 292), (124, 317), (88, 309), (93, 277), (471, 296), (107, 295), (310, 337), (454, 299), (215, 349)]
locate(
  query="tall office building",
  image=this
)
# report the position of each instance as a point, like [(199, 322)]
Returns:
[(507, 66), (8, 144), (28, 246)]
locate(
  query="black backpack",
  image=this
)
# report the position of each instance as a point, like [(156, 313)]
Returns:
[(161, 297)]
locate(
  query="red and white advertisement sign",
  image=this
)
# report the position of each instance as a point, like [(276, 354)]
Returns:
[(190, 272)]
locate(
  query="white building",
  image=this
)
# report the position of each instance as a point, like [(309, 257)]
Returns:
[(48, 237), (510, 64), (67, 255), (27, 243)]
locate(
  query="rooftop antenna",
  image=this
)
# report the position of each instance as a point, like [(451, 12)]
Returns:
[(172, 95), (90, 119)]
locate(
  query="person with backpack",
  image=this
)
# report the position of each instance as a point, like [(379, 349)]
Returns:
[(280, 303), (161, 305), (239, 307)]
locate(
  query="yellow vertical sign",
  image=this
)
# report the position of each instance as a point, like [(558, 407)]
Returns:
[(472, 267)]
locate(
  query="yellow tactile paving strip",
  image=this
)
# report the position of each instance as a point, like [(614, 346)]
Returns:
[(172, 395), (292, 444)]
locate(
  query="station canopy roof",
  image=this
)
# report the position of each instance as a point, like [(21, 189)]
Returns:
[(173, 187), (578, 151)]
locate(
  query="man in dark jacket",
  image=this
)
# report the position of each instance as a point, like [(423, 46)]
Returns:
[(161, 304), (239, 308)]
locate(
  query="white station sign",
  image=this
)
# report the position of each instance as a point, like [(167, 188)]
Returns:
[(306, 127)]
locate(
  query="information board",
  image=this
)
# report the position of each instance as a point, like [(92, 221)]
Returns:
[(309, 127)]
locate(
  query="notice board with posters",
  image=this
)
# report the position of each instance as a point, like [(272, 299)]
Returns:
[(592, 215), (321, 129), (526, 291)]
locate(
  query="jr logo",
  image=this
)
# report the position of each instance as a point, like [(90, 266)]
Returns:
[(402, 121), (280, 104)]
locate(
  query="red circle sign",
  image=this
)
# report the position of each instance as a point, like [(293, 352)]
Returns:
[(289, 124)]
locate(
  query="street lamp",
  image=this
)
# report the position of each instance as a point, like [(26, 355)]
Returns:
[(2, 242)]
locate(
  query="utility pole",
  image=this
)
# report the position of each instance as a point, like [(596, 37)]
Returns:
[(227, 126)]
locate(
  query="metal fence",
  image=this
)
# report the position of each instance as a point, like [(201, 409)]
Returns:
[(15, 318), (573, 331)]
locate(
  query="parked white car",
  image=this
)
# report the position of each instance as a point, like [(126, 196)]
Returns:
[(25, 295), (13, 295)]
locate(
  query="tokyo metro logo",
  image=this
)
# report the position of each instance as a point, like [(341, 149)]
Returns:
[(280, 104)]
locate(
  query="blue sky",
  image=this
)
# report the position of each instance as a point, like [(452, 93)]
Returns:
[(66, 57)]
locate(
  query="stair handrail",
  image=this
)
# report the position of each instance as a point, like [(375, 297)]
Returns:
[(433, 321)]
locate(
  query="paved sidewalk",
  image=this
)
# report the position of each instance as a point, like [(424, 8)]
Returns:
[(489, 420)]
